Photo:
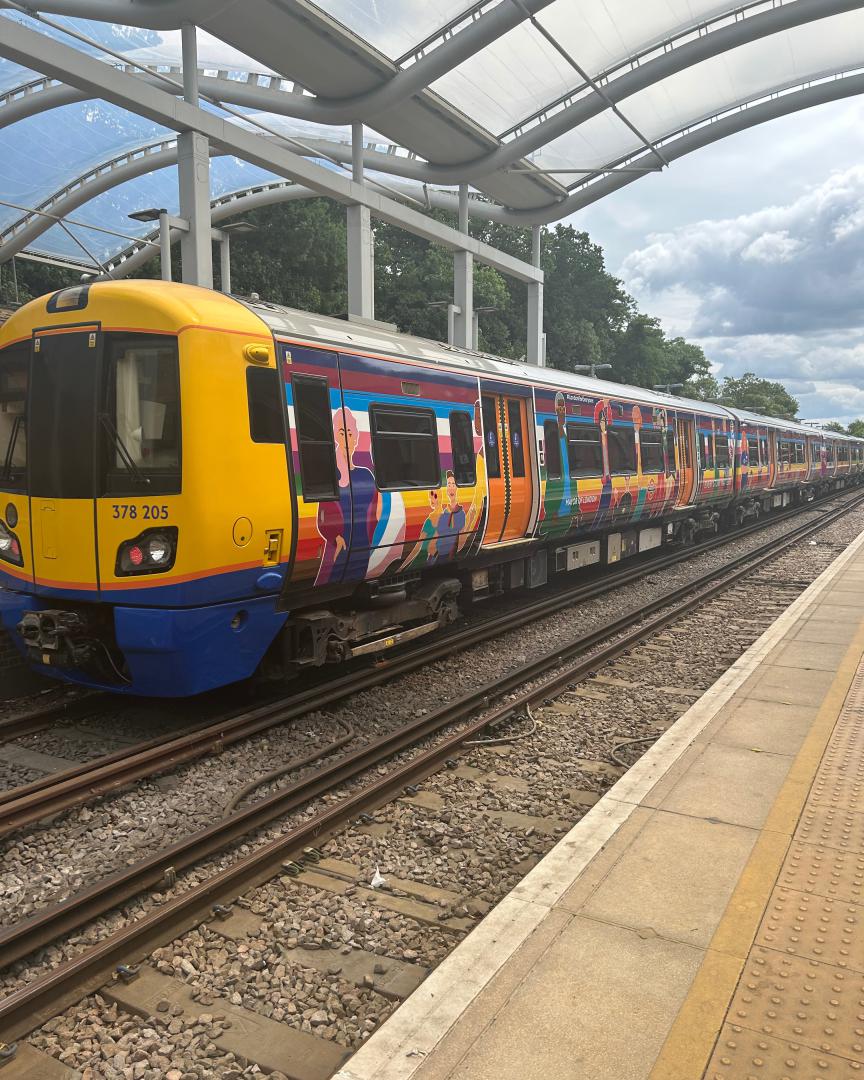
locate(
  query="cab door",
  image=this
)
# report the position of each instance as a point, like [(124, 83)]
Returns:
[(508, 467), (62, 447), (686, 430)]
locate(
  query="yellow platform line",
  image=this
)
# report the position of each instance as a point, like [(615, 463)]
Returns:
[(690, 1043)]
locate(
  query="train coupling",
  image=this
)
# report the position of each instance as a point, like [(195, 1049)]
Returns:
[(55, 637)]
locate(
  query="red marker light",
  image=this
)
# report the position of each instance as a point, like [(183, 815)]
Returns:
[(16, 548), (136, 555)]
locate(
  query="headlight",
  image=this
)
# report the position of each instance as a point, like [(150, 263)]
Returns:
[(153, 552), (10, 548)]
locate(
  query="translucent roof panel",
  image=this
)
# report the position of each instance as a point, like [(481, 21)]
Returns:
[(786, 59), (395, 27), (523, 72)]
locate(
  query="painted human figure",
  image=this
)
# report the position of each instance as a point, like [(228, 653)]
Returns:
[(347, 526), (451, 523), (424, 552)]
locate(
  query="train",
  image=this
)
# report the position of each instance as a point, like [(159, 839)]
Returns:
[(196, 488)]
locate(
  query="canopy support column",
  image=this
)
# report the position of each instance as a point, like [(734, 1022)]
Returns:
[(463, 282), (193, 164), (361, 255), (536, 347)]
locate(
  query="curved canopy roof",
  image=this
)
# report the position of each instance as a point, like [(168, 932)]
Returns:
[(541, 106)]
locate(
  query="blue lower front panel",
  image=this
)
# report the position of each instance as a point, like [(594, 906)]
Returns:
[(172, 652)]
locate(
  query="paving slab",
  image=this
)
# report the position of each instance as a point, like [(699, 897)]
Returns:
[(664, 885), (772, 726), (726, 783), (547, 1029)]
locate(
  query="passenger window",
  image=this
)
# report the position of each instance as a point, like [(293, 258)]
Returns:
[(753, 449), (584, 450), (799, 453), (462, 447), (314, 420), (784, 452), (490, 438), (707, 451), (669, 451), (552, 444), (264, 391), (13, 410), (721, 450), (517, 450), (404, 448), (652, 451), (622, 450), (764, 455)]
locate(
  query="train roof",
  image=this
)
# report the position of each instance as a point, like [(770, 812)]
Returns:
[(378, 338)]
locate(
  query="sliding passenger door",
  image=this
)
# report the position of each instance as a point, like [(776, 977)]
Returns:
[(686, 431), (320, 469), (509, 469)]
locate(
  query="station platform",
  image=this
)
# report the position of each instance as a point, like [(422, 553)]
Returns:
[(706, 917)]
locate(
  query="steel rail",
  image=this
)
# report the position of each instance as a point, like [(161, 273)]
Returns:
[(75, 708), (26, 1008), (89, 780)]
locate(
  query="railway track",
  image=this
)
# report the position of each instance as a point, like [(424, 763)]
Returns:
[(81, 783), (529, 685)]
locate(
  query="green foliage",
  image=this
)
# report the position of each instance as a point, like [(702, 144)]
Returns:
[(832, 425), (26, 279), (759, 396), (856, 428), (298, 257)]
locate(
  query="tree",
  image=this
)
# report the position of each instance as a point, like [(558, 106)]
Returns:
[(832, 425), (702, 388), (759, 396), (856, 428)]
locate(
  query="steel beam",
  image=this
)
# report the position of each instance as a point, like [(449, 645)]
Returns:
[(193, 174), (535, 352), (31, 49)]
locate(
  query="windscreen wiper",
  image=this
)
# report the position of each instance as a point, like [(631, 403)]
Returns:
[(123, 451)]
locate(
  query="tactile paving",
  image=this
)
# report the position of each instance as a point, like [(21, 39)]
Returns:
[(747, 1055), (832, 826), (825, 871), (816, 1005), (802, 924)]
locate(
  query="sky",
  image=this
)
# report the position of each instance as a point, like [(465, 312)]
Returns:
[(754, 248)]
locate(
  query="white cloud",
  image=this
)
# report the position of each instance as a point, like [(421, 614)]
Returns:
[(778, 291)]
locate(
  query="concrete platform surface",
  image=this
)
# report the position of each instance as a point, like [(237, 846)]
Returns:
[(706, 917)]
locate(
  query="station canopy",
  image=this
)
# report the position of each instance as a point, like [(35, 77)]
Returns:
[(540, 106)]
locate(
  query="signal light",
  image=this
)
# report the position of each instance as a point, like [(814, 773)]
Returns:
[(152, 552), (10, 548)]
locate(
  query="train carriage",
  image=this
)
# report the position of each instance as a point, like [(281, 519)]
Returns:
[(196, 487)]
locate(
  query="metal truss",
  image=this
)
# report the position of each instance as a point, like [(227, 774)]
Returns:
[(675, 145), (742, 25)]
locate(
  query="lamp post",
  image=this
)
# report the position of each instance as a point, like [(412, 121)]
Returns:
[(164, 218), (223, 235), (668, 387), (592, 368)]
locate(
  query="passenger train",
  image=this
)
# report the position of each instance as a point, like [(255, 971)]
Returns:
[(196, 487)]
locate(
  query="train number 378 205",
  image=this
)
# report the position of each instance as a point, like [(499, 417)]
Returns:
[(148, 513)]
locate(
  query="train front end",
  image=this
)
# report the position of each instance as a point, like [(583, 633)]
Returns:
[(142, 531)]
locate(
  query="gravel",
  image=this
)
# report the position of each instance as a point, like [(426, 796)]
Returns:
[(554, 772)]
